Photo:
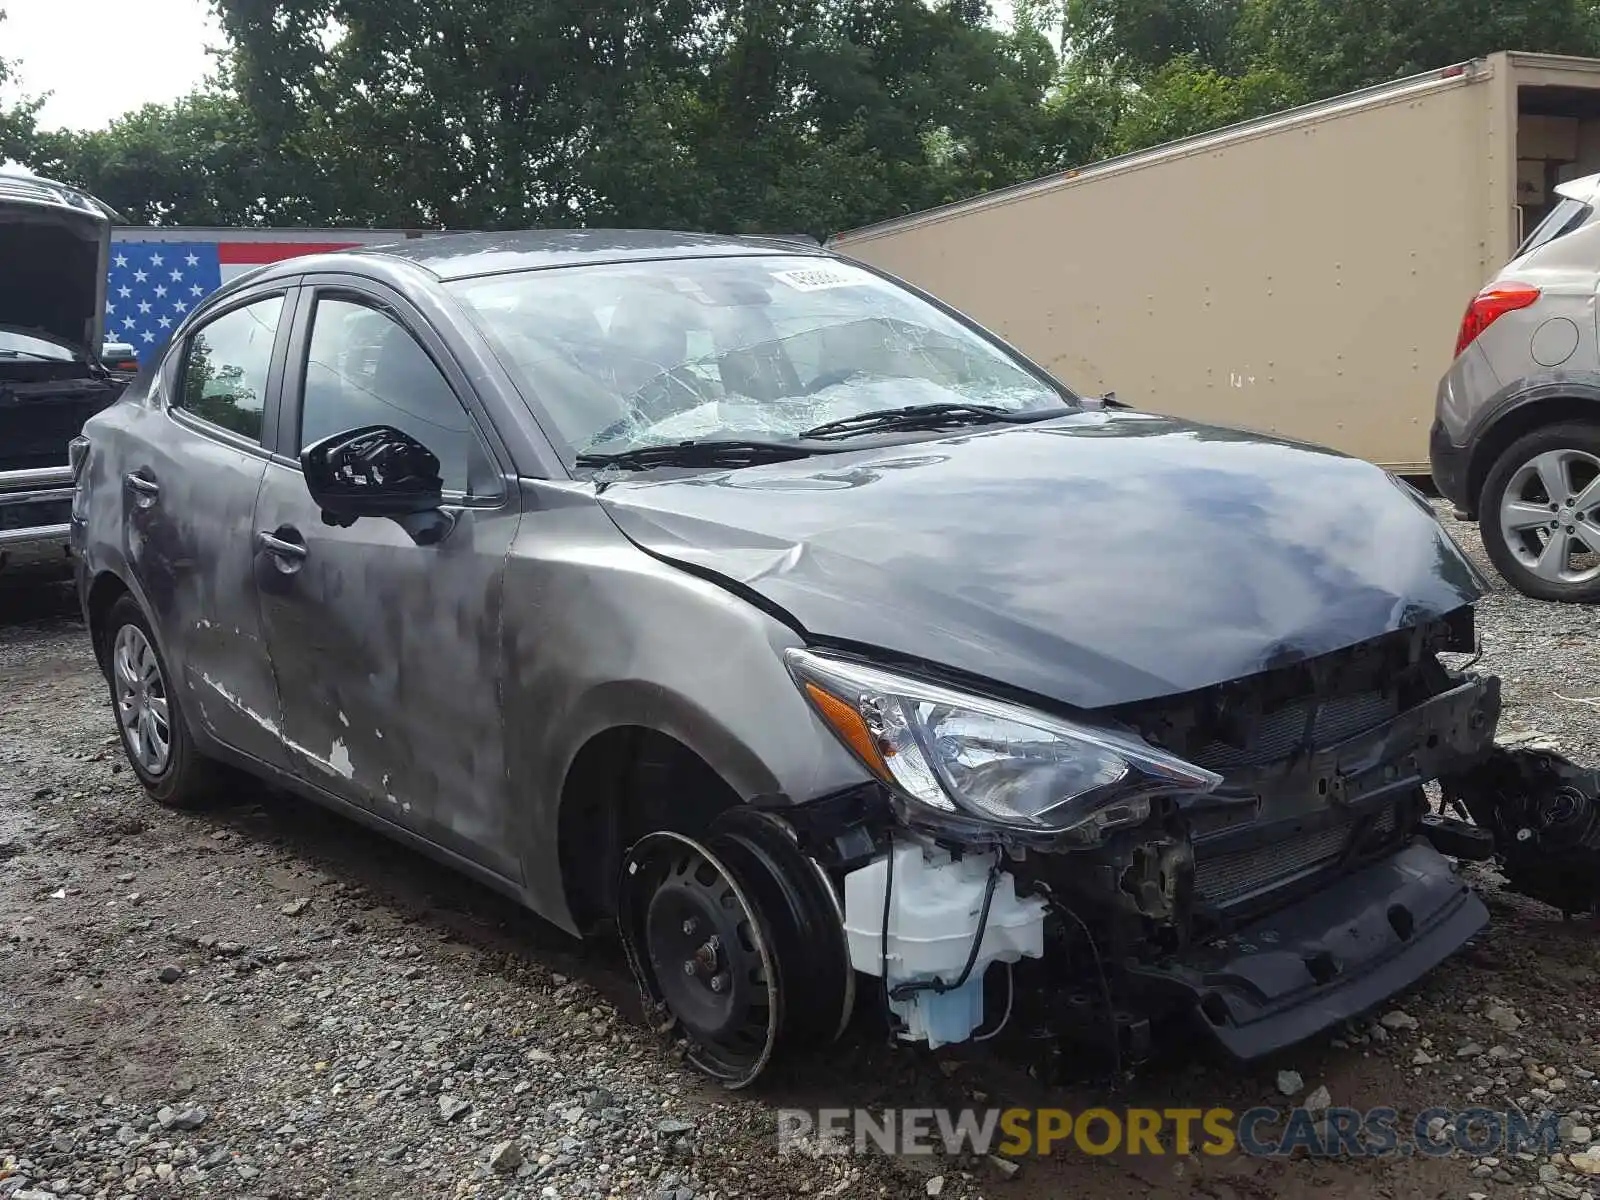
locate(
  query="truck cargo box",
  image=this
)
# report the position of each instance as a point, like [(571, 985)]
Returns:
[(1304, 273)]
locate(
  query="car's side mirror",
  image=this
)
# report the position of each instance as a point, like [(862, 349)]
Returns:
[(375, 471)]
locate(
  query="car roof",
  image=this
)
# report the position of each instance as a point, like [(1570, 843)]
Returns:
[(462, 255)]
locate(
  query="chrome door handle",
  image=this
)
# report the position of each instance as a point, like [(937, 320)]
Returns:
[(273, 544)]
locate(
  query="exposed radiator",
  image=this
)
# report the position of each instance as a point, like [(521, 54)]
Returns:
[(1279, 732), (1230, 876)]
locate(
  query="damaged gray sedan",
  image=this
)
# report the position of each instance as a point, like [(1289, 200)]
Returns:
[(732, 596)]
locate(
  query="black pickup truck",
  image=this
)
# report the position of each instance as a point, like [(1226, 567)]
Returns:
[(55, 246)]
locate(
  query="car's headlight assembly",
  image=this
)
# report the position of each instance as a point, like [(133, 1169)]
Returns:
[(1000, 764)]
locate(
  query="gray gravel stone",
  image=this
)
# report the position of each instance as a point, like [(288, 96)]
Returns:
[(506, 1157), (1502, 1018)]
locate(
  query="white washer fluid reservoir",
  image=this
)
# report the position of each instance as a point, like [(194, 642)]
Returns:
[(933, 918)]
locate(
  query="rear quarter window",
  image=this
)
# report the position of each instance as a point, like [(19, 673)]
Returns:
[(1561, 220)]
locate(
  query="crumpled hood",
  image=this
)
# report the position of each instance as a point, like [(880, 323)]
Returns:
[(1098, 559)]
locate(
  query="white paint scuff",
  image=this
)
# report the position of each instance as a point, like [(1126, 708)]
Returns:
[(339, 760)]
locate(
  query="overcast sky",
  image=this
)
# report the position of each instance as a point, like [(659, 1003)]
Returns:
[(101, 58)]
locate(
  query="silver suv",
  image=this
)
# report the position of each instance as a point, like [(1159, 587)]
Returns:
[(1516, 436)]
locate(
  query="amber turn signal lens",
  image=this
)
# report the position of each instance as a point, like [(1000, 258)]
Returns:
[(847, 723)]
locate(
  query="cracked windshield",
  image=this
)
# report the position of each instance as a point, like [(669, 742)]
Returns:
[(758, 348)]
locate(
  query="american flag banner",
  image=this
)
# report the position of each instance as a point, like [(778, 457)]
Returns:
[(153, 284)]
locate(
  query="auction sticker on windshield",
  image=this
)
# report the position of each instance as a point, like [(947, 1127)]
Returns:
[(820, 279)]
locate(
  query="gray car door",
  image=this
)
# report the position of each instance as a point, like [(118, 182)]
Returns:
[(194, 465), (386, 652)]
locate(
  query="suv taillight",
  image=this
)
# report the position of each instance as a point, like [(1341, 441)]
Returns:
[(1488, 306)]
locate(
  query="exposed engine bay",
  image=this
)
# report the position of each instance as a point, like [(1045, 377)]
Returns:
[(1314, 881), (43, 406)]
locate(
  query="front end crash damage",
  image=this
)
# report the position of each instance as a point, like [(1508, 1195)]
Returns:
[(1540, 814), (1293, 874)]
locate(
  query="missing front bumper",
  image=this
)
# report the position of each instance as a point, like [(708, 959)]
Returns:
[(1329, 957)]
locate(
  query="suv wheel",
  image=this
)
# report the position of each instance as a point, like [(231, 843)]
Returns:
[(155, 736), (1540, 514)]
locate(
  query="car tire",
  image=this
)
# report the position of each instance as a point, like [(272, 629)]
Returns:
[(150, 721), (1517, 534)]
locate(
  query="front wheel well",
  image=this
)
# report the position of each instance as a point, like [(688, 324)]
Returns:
[(1518, 423), (626, 782), (104, 592)]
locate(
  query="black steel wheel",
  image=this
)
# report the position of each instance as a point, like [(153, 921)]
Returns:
[(804, 912), (701, 953)]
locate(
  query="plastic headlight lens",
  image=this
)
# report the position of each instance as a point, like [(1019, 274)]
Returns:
[(998, 762)]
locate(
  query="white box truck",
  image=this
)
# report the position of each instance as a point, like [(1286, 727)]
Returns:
[(1304, 273)]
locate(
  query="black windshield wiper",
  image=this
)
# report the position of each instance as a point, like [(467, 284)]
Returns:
[(696, 454), (925, 416)]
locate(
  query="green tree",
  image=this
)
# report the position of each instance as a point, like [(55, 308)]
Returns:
[(1333, 46), (787, 115), (1182, 97), (857, 111), (474, 114), (1142, 36), (799, 115), (1177, 67), (199, 161)]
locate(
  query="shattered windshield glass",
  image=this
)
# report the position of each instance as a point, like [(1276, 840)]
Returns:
[(630, 355)]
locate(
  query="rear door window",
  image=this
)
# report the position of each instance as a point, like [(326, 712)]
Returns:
[(225, 367)]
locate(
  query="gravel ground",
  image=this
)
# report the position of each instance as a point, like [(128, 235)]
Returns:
[(263, 1000)]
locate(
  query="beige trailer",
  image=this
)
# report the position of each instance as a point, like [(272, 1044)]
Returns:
[(1304, 273)]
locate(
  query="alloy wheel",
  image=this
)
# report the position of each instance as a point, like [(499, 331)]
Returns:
[(1550, 516)]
